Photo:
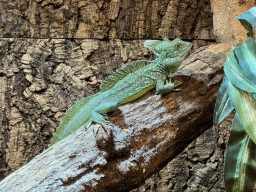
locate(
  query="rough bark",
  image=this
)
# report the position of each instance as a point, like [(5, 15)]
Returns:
[(197, 168), (147, 134), (106, 19), (29, 114)]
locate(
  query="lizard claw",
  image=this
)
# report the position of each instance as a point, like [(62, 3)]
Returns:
[(105, 123), (177, 84)]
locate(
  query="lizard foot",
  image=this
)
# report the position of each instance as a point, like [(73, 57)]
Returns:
[(177, 85)]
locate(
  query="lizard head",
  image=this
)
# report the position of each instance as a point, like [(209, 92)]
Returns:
[(171, 49), (170, 53)]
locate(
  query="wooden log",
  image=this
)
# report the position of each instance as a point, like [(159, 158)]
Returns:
[(147, 133)]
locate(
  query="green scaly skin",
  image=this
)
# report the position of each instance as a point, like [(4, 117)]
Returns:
[(127, 84)]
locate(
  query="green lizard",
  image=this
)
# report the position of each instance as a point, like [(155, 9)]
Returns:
[(127, 84)]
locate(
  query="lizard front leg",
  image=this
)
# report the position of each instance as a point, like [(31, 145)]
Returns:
[(166, 88)]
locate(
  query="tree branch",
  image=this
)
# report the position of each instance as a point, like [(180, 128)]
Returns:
[(147, 133)]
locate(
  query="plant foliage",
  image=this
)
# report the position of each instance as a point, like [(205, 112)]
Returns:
[(238, 92)]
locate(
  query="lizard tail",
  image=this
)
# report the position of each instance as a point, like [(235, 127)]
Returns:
[(78, 115)]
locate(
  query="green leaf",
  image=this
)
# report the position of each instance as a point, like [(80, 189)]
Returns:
[(247, 26), (223, 104), (236, 75), (245, 54), (247, 19), (245, 106), (240, 164)]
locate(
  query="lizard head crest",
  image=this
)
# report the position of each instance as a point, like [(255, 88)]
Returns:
[(175, 48), (170, 53)]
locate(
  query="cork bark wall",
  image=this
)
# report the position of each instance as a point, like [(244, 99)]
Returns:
[(106, 19), (54, 52)]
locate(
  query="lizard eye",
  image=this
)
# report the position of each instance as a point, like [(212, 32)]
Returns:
[(177, 46)]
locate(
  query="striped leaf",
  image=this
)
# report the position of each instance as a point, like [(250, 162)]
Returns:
[(245, 106), (247, 19), (236, 75), (223, 104), (245, 54), (240, 160)]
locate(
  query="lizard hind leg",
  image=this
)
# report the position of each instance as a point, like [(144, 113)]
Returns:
[(98, 118), (106, 106)]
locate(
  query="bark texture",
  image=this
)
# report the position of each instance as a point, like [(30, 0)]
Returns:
[(106, 19), (155, 129), (199, 167), (41, 78)]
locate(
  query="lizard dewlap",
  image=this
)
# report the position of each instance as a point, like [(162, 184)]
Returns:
[(127, 84)]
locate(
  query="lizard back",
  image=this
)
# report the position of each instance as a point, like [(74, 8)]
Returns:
[(137, 83), (117, 76)]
